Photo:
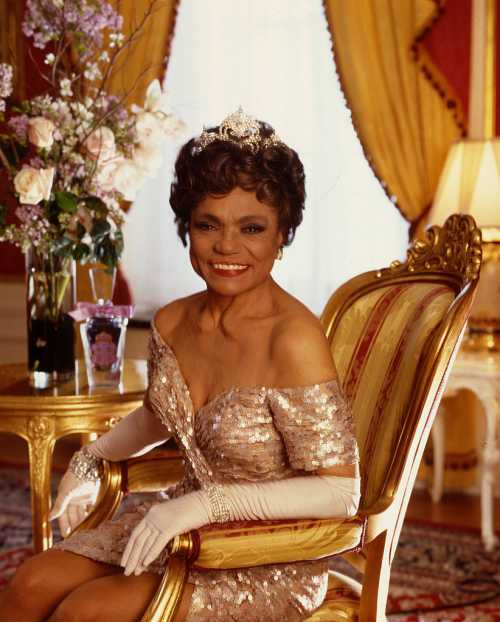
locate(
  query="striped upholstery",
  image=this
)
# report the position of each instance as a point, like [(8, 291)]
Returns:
[(377, 345)]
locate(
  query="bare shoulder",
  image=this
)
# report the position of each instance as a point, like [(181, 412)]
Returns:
[(169, 317), (299, 349)]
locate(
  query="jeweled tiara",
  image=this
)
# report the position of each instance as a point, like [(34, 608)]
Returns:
[(238, 128)]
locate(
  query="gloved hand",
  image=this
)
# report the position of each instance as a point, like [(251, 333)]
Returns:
[(75, 499), (163, 522)]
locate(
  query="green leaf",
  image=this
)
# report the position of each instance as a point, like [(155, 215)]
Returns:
[(106, 253), (67, 201), (3, 215), (81, 251), (62, 247), (100, 230), (96, 204), (119, 242), (80, 230)]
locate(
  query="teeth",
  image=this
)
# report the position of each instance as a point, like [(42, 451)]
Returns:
[(229, 266)]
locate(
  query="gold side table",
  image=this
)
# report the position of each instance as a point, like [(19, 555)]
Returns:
[(41, 417)]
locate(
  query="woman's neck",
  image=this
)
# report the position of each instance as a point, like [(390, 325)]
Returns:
[(218, 310)]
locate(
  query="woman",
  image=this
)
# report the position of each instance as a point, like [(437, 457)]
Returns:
[(241, 375)]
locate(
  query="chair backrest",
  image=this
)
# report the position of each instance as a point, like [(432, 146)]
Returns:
[(392, 334)]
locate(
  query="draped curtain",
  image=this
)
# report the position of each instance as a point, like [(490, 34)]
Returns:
[(147, 57), (405, 119)]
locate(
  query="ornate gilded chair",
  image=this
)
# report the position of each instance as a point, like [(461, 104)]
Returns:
[(393, 335)]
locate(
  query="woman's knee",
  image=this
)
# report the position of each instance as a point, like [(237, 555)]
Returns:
[(43, 581), (28, 588), (76, 609)]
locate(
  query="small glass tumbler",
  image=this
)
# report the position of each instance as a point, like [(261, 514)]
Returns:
[(103, 334)]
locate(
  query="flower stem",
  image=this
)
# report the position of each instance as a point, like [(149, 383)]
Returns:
[(5, 162)]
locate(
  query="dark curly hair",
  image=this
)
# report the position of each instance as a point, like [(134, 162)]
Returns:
[(274, 172)]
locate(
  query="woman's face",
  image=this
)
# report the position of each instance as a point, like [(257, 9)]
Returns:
[(234, 241)]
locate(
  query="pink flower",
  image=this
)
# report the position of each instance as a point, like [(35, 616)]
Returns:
[(41, 132), (19, 126), (100, 145), (106, 174), (29, 213), (6, 74), (34, 185)]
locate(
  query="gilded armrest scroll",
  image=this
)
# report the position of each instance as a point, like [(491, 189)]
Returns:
[(110, 496), (145, 474), (248, 544)]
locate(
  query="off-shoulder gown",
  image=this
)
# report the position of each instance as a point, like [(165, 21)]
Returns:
[(245, 434)]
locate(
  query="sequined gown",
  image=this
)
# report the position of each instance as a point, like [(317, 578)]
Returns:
[(245, 434)]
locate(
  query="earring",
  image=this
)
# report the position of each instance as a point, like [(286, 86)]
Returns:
[(279, 255)]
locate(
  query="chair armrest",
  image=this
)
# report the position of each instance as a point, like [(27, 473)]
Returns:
[(151, 473), (256, 543)]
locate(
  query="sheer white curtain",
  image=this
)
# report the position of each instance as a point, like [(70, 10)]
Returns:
[(272, 57)]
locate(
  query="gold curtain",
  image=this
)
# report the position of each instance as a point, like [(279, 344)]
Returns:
[(147, 57), (402, 121)]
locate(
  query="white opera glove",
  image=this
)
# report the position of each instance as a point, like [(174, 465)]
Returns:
[(315, 496), (78, 490), (134, 435)]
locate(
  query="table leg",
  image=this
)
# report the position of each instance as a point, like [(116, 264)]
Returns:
[(40, 434), (491, 411)]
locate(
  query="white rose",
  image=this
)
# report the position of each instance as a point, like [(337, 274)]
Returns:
[(34, 184), (127, 179), (149, 129), (148, 159), (106, 173), (156, 100), (172, 126), (41, 132), (100, 145)]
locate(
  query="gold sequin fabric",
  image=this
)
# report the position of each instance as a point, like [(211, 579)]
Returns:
[(245, 434)]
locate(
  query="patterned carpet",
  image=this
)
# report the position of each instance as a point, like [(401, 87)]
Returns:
[(446, 570), (439, 574)]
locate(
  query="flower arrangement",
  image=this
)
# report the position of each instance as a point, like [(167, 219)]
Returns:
[(73, 154)]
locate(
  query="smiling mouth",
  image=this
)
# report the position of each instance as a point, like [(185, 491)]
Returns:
[(229, 269)]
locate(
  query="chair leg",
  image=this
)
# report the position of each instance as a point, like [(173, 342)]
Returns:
[(376, 580)]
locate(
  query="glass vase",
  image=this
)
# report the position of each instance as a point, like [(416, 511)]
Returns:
[(50, 294), (103, 334)]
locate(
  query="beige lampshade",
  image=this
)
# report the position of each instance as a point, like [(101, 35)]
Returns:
[(470, 183)]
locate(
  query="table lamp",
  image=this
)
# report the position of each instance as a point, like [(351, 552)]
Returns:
[(470, 184)]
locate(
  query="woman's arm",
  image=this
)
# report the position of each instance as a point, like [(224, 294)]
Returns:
[(134, 435), (314, 496), (78, 489)]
